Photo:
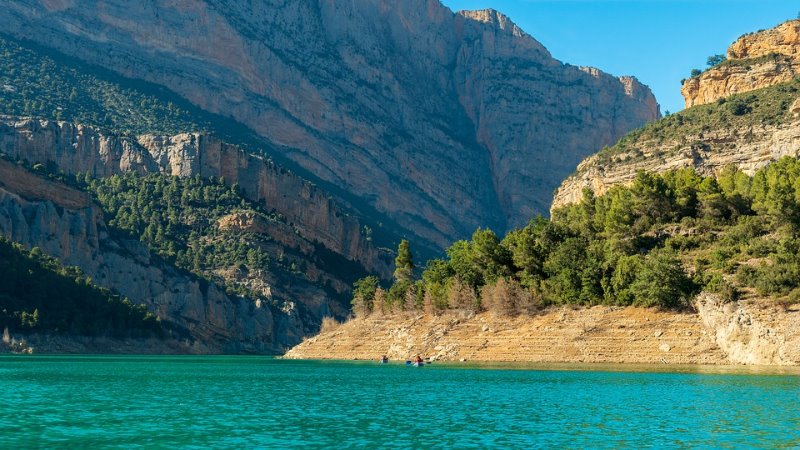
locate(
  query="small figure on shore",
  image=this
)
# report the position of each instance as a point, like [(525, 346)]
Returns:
[(384, 359)]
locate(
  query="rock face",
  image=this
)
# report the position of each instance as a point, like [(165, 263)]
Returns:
[(64, 223), (755, 61), (707, 152), (443, 121), (752, 334), (77, 148)]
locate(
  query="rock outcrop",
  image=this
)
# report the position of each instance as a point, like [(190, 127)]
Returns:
[(65, 224), (444, 122), (743, 112), (750, 333), (755, 61), (83, 149)]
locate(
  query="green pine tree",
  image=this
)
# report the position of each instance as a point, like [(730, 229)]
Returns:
[(404, 263)]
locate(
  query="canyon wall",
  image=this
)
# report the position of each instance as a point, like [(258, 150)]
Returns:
[(65, 224), (78, 148), (443, 121)]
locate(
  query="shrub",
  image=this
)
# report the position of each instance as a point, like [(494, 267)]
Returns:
[(719, 285), (739, 107), (713, 60), (364, 295), (506, 297), (461, 296), (329, 325), (661, 281)]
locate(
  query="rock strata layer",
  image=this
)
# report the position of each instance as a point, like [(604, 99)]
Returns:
[(755, 61), (708, 152), (75, 148), (445, 122), (745, 333)]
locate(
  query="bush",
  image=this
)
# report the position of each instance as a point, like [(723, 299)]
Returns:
[(739, 107), (396, 296), (775, 279), (713, 60), (661, 281), (719, 285), (792, 299), (506, 297), (329, 325), (461, 296), (364, 295)]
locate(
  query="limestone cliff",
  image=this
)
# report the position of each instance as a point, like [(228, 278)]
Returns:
[(64, 223), (77, 148), (445, 122), (755, 61)]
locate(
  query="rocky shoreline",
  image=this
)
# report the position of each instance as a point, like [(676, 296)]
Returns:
[(717, 333)]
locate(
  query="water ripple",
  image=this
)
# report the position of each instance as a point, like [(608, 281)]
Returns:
[(253, 402)]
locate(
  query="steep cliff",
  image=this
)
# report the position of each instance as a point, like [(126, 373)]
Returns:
[(75, 148), (755, 61), (65, 224), (444, 122)]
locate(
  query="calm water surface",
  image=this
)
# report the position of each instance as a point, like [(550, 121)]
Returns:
[(256, 402)]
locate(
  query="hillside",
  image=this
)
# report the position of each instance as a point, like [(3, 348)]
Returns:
[(717, 256), (64, 223), (39, 295), (746, 130), (41, 83), (745, 111), (440, 121)]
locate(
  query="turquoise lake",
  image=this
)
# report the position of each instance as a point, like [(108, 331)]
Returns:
[(258, 402)]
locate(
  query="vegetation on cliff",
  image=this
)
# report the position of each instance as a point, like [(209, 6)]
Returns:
[(38, 294), (39, 82), (768, 106), (210, 229), (654, 243)]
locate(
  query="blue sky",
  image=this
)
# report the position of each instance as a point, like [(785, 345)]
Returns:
[(658, 41)]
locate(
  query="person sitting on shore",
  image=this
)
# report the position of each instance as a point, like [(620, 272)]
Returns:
[(384, 359), (417, 359)]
